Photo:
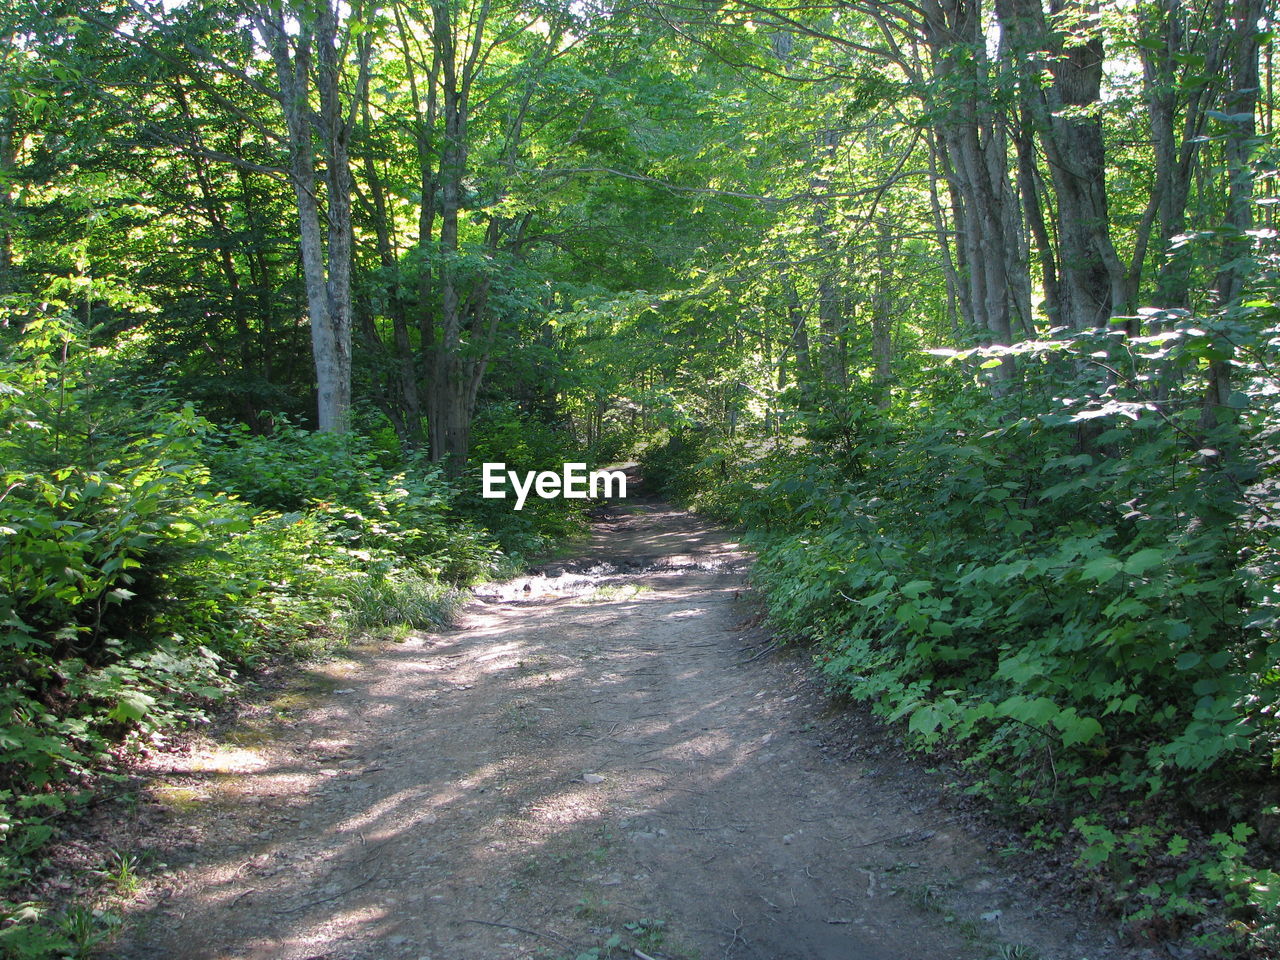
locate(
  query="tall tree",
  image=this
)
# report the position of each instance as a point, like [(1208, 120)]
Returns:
[(304, 41)]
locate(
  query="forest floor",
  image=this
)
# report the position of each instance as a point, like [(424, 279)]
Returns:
[(606, 758)]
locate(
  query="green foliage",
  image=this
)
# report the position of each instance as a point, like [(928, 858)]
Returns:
[(90, 519), (290, 468), (734, 233), (1052, 586), (374, 602), (386, 516), (701, 470), (1166, 882), (29, 931), (148, 558), (503, 434)]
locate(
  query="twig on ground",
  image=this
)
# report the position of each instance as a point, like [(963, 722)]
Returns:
[(763, 653), (337, 896), (737, 934), (553, 937)]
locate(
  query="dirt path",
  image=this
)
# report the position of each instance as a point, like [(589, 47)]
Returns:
[(595, 756)]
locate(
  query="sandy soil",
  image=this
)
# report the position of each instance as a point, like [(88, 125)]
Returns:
[(599, 758)]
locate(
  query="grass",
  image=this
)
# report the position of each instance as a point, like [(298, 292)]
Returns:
[(87, 929), (380, 603), (33, 931), (121, 873), (180, 799), (1015, 951), (514, 717), (933, 898), (645, 934)]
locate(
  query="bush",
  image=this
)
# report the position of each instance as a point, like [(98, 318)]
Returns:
[(94, 513), (386, 516), (147, 558), (504, 434), (290, 469), (1076, 593)]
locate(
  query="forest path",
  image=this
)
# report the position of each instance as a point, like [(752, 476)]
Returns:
[(601, 754)]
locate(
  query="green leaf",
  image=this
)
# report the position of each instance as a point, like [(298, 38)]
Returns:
[(1188, 661), (1101, 569), (1206, 686), (1035, 711), (1019, 670), (132, 706), (1076, 729), (933, 716), (1144, 560)]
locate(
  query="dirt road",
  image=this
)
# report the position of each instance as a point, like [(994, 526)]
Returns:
[(595, 760)]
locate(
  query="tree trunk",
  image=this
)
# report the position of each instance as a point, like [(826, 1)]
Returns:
[(976, 166), (955, 303), (326, 268), (882, 323), (1092, 282), (409, 417), (1168, 48), (831, 319), (1029, 185), (1240, 107), (8, 155)]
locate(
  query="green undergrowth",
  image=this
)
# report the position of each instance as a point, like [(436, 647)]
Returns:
[(504, 434), (151, 560), (1073, 595)]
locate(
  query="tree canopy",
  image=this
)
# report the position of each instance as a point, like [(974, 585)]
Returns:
[(965, 310)]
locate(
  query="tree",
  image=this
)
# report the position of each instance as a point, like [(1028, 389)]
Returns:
[(305, 47)]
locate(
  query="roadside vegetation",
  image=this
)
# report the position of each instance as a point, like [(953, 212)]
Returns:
[(965, 311), (152, 561), (1068, 593)]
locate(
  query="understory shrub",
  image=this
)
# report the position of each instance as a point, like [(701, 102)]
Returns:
[(505, 434), (1071, 589), (148, 558), (387, 513)]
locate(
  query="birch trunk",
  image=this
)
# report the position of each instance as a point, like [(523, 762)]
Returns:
[(310, 59)]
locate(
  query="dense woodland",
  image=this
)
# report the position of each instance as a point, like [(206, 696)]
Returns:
[(966, 312)]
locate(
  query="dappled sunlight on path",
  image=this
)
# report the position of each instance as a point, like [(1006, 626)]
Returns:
[(599, 754)]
